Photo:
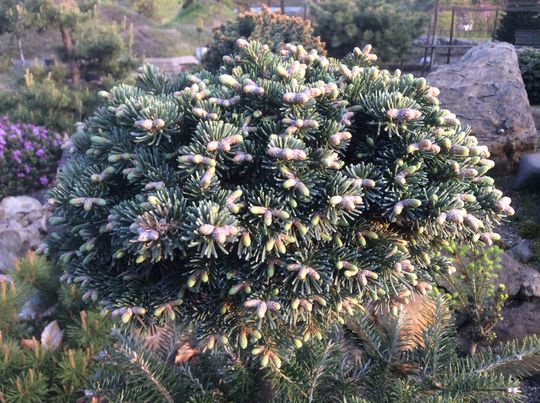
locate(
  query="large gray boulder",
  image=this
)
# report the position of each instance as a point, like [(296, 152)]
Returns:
[(23, 223), (485, 90)]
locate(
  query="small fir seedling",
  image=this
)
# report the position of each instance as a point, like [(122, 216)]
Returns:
[(473, 290)]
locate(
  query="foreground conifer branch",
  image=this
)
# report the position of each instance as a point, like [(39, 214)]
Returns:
[(368, 363), (268, 202)]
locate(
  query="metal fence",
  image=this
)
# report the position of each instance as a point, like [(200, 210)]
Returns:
[(454, 29)]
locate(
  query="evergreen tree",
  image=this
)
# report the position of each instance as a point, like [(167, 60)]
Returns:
[(15, 20), (529, 64), (389, 25), (265, 204), (514, 20), (267, 27), (88, 46)]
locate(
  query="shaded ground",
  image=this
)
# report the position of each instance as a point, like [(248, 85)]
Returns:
[(525, 223), (531, 390)]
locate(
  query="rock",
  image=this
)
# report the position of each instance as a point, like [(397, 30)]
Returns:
[(522, 251), (23, 223), (530, 282), (528, 174), (18, 206), (510, 274), (10, 247), (519, 321), (519, 279), (485, 90)]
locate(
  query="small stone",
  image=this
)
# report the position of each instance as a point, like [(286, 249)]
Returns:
[(510, 274), (522, 251), (33, 309), (528, 174), (10, 242), (13, 206), (23, 223), (530, 286)]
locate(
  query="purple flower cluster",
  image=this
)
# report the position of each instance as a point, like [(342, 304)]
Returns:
[(29, 157)]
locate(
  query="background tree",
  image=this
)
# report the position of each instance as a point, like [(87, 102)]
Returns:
[(270, 28), (15, 20), (529, 64), (95, 54), (390, 26), (514, 20)]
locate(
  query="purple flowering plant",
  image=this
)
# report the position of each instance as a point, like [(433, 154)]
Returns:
[(29, 157)]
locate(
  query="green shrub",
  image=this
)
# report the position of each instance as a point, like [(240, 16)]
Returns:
[(529, 64), (390, 26), (266, 204), (275, 30), (29, 157), (159, 10), (42, 97)]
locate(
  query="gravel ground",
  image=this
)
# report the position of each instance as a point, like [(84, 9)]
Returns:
[(531, 390)]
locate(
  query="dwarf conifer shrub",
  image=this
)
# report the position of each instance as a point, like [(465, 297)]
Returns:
[(268, 202), (29, 157)]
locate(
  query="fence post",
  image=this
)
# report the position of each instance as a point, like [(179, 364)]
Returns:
[(434, 37), (495, 24), (428, 40), (451, 36)]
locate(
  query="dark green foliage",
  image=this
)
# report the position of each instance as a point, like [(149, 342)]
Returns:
[(369, 364), (511, 21), (265, 205), (37, 362), (29, 157), (389, 26), (275, 30), (529, 64)]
